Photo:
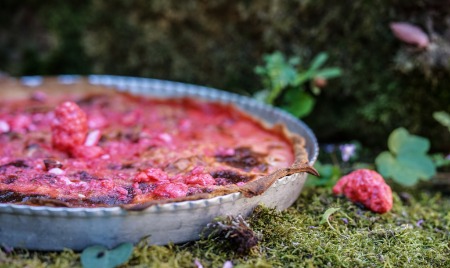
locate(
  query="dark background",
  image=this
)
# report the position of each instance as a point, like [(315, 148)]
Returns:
[(385, 85)]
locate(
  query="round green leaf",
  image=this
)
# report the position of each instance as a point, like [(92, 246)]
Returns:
[(390, 167), (101, 257), (120, 254), (405, 169), (329, 174), (299, 103), (95, 256), (401, 142), (385, 164), (422, 165)]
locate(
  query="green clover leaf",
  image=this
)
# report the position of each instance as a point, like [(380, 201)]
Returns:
[(101, 257), (400, 142), (407, 162)]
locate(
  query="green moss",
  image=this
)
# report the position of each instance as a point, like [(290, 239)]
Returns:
[(20, 258), (367, 240), (414, 234)]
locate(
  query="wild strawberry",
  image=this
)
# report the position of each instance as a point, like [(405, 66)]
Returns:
[(69, 128), (366, 187)]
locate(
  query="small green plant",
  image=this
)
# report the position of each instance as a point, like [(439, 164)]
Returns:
[(326, 216), (407, 161), (335, 161), (101, 257), (285, 82), (443, 118), (440, 159), (329, 175)]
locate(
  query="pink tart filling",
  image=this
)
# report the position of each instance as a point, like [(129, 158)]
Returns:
[(113, 149)]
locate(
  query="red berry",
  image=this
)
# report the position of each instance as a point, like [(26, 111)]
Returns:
[(156, 175), (140, 177), (171, 190), (69, 128), (200, 179), (152, 175), (320, 82), (20, 123), (88, 152), (366, 187)]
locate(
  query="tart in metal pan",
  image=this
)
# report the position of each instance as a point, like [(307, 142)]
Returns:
[(45, 227)]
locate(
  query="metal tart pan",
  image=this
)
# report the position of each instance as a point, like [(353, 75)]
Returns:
[(57, 228)]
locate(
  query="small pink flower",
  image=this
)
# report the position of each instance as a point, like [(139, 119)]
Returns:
[(347, 151), (410, 34), (228, 264), (198, 263), (4, 126)]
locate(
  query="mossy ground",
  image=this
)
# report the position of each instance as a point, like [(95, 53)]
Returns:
[(414, 234)]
